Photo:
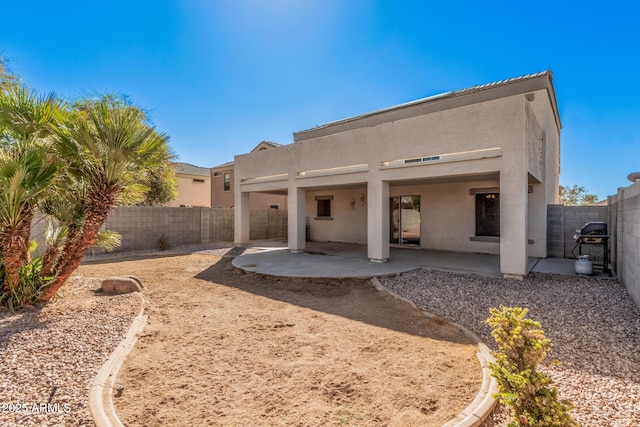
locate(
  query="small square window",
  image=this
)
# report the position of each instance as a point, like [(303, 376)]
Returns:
[(324, 208)]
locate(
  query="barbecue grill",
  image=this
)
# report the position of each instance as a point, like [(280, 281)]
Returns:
[(594, 235)]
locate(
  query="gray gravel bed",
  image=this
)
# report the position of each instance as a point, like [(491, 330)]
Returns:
[(50, 355), (593, 324)]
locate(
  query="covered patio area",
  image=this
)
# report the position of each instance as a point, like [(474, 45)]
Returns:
[(342, 260)]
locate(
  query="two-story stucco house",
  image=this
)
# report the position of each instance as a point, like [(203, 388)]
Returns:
[(222, 186), (194, 184), (467, 171)]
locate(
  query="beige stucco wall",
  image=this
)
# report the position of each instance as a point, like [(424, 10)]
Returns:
[(225, 199), (219, 197), (192, 194), (494, 138), (347, 224), (447, 215)]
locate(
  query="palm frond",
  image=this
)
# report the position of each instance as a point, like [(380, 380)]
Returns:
[(24, 113), (109, 240)]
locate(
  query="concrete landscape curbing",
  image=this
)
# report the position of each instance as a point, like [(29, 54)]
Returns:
[(101, 391), (484, 403)]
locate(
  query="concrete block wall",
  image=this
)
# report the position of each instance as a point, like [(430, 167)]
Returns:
[(221, 225), (625, 214), (577, 216), (143, 227), (266, 224), (555, 231), (562, 222)]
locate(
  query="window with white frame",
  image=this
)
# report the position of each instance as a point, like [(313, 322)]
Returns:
[(227, 181)]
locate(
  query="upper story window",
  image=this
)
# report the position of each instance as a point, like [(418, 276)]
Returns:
[(198, 180), (227, 181)]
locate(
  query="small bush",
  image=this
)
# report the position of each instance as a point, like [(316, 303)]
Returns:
[(163, 243), (29, 287), (529, 392)]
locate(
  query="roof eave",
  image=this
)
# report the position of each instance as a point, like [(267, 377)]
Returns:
[(323, 130)]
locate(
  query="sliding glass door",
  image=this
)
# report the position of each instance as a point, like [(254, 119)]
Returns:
[(405, 220)]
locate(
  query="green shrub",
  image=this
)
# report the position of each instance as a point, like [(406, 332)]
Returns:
[(527, 391), (29, 288)]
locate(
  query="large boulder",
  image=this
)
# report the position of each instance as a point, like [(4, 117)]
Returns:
[(121, 285)]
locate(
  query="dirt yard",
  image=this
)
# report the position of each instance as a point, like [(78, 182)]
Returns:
[(225, 348)]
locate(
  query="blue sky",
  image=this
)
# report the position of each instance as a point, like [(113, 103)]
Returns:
[(220, 76)]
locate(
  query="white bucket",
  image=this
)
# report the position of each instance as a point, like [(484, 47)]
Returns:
[(584, 265)]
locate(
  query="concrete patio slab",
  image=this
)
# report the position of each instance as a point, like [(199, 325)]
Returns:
[(281, 262), (566, 267), (341, 260)]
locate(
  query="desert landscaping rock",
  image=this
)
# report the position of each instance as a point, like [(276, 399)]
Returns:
[(121, 285), (51, 355), (593, 324), (138, 281)]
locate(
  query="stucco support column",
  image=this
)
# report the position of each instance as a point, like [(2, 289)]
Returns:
[(537, 222), (378, 220), (241, 218), (296, 215), (513, 222)]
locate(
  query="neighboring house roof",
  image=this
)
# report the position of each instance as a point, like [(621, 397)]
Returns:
[(188, 169), (446, 95), (604, 202), (223, 165), (264, 145)]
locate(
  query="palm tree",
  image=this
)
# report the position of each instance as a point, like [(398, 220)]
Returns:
[(108, 148), (27, 170), (7, 79)]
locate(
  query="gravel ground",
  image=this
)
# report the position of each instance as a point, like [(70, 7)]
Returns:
[(51, 354), (592, 323)]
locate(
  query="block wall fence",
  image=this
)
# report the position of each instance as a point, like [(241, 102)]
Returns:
[(622, 215), (143, 227), (562, 222), (624, 219)]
